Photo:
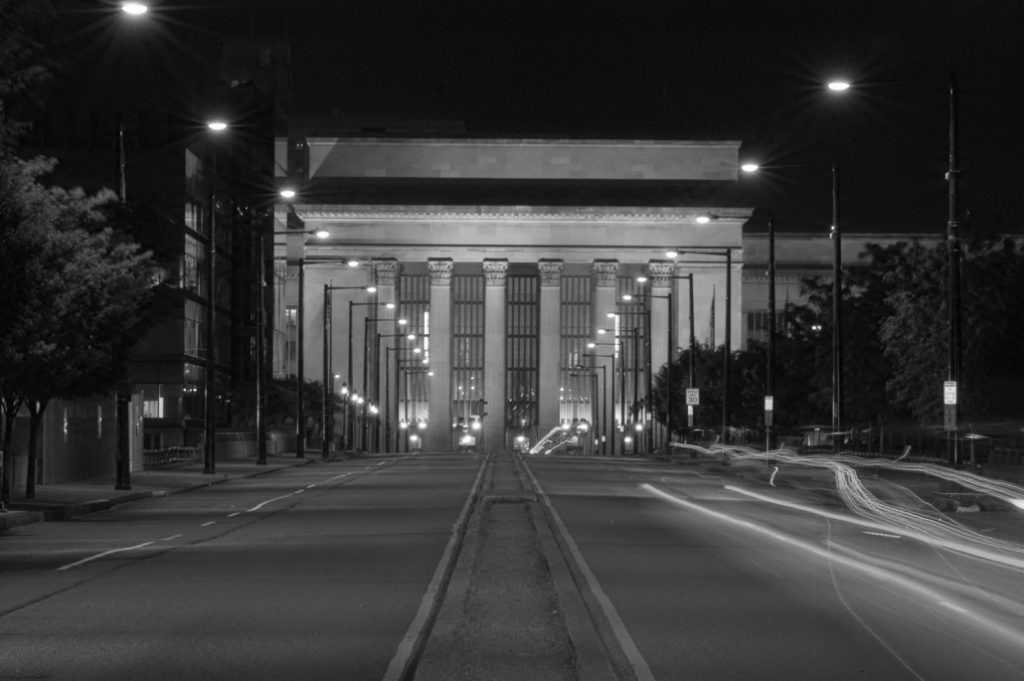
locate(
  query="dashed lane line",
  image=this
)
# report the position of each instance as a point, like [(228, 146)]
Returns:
[(89, 559)]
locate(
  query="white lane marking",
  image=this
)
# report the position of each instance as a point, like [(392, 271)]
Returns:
[(343, 475), (208, 523), (887, 535), (860, 620), (382, 463), (173, 536), (398, 668), (269, 501), (232, 515), (101, 555), (629, 648), (311, 486)]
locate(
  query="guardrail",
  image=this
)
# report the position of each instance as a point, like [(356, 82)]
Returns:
[(170, 456)]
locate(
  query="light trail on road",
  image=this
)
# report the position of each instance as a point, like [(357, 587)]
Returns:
[(935, 529), (911, 587)]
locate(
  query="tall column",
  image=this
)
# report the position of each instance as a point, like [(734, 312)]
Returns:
[(385, 274), (660, 274), (496, 276), (439, 426), (549, 364), (605, 273)]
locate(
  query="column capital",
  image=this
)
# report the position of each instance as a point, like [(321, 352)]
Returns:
[(495, 271), (661, 272), (385, 271), (550, 271), (440, 271), (605, 272)]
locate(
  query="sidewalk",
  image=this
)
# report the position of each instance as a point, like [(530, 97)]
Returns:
[(68, 500)]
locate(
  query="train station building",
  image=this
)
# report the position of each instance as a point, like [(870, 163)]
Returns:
[(501, 270)]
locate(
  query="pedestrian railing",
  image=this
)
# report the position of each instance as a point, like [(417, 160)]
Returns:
[(170, 456)]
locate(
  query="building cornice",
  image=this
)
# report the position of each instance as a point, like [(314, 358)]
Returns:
[(335, 213)]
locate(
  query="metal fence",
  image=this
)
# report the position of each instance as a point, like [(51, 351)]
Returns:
[(170, 456)]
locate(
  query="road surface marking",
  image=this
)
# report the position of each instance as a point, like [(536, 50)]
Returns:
[(343, 475), (101, 555), (173, 536), (398, 668), (887, 535), (311, 485), (232, 515), (629, 648), (270, 501), (208, 523)]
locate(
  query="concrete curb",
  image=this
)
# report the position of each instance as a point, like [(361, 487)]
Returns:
[(592, 659), (595, 660)]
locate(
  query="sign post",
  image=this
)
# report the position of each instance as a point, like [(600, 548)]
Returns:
[(692, 400)]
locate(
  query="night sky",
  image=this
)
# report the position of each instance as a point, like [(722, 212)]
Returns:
[(683, 69)]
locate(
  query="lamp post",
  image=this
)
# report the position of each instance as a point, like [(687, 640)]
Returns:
[(727, 350), (953, 273), (670, 347), (298, 229), (595, 411), (350, 434), (837, 314), (954, 303), (209, 385), (602, 428), (328, 361), (769, 399), (366, 361), (387, 381), (608, 422)]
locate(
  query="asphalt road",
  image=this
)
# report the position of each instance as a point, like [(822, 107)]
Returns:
[(703, 581), (325, 571), (314, 572)]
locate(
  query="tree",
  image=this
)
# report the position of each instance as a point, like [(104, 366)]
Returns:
[(22, 22), (915, 334), (83, 294)]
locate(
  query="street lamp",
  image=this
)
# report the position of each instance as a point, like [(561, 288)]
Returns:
[(634, 333), (328, 360), (611, 388), (953, 255), (385, 426), (350, 434), (595, 411), (134, 8), (300, 414), (388, 411), (366, 361), (726, 355), (672, 348), (210, 430)]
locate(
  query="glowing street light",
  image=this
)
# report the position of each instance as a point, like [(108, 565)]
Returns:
[(134, 8), (839, 85)]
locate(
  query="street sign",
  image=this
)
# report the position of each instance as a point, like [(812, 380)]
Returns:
[(693, 396), (949, 392), (769, 402), (949, 417)]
